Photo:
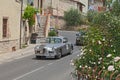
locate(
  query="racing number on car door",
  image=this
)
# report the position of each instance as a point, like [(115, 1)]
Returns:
[(67, 47)]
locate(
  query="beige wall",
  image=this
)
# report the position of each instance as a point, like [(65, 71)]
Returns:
[(58, 10), (10, 9), (85, 2), (62, 6)]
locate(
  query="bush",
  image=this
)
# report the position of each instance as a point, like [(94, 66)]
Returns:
[(101, 56), (90, 15), (116, 8), (72, 17), (52, 33)]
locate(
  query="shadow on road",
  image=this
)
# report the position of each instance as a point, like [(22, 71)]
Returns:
[(44, 58)]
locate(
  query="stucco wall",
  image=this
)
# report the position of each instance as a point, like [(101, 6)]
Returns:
[(85, 8), (11, 10), (61, 6)]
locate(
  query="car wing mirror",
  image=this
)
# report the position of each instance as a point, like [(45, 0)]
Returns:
[(64, 41)]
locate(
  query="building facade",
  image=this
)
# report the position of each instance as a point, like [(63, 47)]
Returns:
[(9, 25), (10, 16)]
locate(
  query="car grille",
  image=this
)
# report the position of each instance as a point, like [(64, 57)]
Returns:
[(44, 50), (51, 52), (38, 51)]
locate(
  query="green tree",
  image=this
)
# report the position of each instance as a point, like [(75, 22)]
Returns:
[(29, 13), (72, 17)]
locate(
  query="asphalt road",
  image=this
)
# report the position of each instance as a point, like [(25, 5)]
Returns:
[(30, 68)]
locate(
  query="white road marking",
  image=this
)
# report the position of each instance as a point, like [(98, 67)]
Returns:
[(49, 64), (40, 68), (29, 73)]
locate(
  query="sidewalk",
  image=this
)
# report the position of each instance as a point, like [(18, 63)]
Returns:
[(6, 57)]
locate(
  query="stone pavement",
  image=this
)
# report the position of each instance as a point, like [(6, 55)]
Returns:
[(6, 57)]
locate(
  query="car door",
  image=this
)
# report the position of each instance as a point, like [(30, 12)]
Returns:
[(66, 46)]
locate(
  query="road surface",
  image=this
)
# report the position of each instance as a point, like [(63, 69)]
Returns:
[(30, 68)]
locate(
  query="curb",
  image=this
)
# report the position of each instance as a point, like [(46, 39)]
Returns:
[(7, 57)]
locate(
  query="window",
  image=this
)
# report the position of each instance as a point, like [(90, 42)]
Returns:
[(5, 22)]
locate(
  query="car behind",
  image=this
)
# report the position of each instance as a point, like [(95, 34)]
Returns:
[(80, 38)]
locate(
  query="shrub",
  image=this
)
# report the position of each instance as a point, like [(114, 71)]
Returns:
[(72, 17), (100, 58), (116, 8), (52, 33), (90, 15)]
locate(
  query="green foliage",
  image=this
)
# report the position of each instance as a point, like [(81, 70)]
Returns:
[(90, 15), (24, 46), (29, 15), (103, 46), (72, 17), (99, 19), (116, 8), (52, 33)]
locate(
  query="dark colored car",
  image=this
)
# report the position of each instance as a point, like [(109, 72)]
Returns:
[(33, 38), (80, 38)]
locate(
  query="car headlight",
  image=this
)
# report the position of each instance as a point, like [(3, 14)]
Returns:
[(50, 49), (37, 47)]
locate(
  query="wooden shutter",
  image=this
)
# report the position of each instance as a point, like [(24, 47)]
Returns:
[(5, 21)]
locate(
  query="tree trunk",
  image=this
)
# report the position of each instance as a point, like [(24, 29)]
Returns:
[(104, 3)]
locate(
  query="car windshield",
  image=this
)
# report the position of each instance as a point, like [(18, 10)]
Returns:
[(54, 40)]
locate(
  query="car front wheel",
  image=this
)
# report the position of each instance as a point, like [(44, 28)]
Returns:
[(37, 57), (59, 55)]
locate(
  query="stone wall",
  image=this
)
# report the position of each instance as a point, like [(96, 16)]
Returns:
[(9, 45), (57, 22)]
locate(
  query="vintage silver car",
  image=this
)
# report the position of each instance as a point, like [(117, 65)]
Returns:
[(55, 47)]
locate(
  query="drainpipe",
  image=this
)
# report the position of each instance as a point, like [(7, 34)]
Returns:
[(38, 4), (21, 22), (41, 5)]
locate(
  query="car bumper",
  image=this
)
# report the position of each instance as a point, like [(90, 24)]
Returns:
[(46, 54)]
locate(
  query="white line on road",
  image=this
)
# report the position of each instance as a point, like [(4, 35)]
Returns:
[(49, 64), (40, 68), (28, 73)]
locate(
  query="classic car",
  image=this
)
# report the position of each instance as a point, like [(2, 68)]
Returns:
[(80, 38), (55, 47)]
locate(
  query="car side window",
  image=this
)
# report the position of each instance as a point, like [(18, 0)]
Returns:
[(58, 40)]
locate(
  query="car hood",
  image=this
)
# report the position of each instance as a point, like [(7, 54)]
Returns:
[(53, 45)]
